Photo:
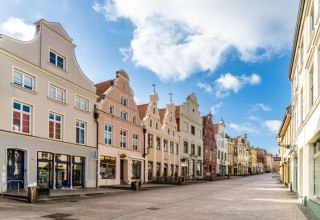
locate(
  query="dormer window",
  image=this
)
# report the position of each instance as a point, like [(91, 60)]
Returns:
[(57, 59)]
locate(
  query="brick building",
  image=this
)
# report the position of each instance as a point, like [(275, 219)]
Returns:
[(209, 147)]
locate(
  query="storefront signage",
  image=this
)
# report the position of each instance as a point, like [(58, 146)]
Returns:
[(123, 156), (277, 158)]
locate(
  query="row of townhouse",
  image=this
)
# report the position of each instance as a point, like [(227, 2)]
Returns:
[(60, 130), (299, 134)]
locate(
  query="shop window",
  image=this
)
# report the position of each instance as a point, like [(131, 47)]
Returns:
[(136, 169), (107, 167)]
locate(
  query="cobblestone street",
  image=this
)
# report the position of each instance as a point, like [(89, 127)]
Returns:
[(253, 197)]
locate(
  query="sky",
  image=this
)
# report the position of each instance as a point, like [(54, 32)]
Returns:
[(234, 55)]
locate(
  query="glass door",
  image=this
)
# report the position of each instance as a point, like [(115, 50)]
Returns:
[(78, 165), (62, 171), (45, 170), (15, 169)]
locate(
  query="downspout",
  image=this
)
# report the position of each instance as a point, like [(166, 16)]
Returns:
[(96, 116), (144, 154)]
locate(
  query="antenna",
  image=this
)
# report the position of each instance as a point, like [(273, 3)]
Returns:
[(154, 88)]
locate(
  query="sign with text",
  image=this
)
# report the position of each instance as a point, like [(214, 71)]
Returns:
[(277, 158)]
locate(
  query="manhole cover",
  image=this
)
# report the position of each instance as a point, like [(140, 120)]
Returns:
[(57, 216), (153, 208)]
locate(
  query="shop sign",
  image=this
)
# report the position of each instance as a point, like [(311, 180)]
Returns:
[(123, 156)]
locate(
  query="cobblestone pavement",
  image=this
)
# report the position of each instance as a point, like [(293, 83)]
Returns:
[(253, 197)]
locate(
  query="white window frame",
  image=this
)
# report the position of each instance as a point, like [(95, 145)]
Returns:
[(56, 59), (111, 112), (81, 101), (23, 75), (57, 88), (106, 133), (135, 141), (54, 123), (123, 138), (85, 132), (22, 112), (123, 113), (124, 101)]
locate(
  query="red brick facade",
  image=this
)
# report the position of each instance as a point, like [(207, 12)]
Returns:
[(209, 147)]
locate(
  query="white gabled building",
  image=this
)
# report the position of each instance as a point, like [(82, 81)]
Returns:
[(47, 130), (222, 146)]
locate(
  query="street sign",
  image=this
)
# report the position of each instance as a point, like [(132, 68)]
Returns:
[(277, 158)]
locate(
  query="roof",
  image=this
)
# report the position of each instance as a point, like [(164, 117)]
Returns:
[(123, 73), (285, 121), (296, 35), (56, 27), (102, 87), (162, 112), (143, 110)]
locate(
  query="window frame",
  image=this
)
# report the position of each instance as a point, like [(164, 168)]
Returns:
[(122, 137), (64, 92), (135, 141), (55, 122), (124, 113), (106, 133), (85, 132), (21, 112), (23, 74), (56, 59), (124, 101), (81, 98)]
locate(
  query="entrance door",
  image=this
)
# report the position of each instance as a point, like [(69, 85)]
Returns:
[(45, 170), (15, 169), (121, 171), (78, 171), (62, 171)]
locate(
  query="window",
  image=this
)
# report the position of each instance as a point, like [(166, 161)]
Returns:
[(55, 126), (177, 149), (225, 156), (150, 141), (136, 169), (123, 138), (134, 120), (316, 159), (23, 80), (82, 103), (185, 147), (301, 106), (57, 59), (165, 145), (123, 115), (57, 93), (81, 128), (21, 117), (199, 151), (311, 21), (154, 110), (108, 134), (193, 130), (311, 87), (218, 154), (107, 167), (157, 125), (111, 110), (193, 149), (171, 147), (168, 131), (124, 101), (150, 123), (135, 142), (158, 143)]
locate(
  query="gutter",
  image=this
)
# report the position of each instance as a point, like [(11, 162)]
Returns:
[(96, 116)]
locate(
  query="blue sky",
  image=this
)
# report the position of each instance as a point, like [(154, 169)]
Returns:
[(233, 54)]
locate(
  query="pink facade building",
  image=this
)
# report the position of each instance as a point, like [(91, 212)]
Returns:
[(120, 133)]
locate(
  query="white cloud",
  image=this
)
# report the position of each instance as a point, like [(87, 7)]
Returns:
[(136, 99), (228, 82), (243, 128), (254, 118), (175, 39), (17, 28), (126, 53), (261, 106), (204, 86), (272, 125), (215, 108)]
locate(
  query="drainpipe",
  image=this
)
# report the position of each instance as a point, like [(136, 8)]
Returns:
[(144, 154), (96, 116)]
